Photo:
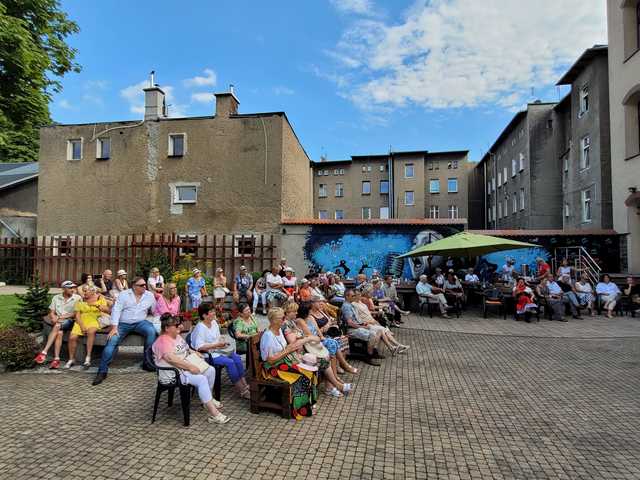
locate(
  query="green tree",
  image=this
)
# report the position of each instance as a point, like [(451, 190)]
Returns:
[(33, 306), (33, 57)]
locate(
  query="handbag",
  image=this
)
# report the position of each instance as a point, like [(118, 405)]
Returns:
[(229, 349), (104, 320), (197, 361), (317, 349)]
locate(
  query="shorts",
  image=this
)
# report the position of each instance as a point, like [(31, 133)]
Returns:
[(67, 324)]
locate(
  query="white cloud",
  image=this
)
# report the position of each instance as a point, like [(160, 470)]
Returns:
[(64, 103), (465, 53), (360, 7), (282, 90), (96, 85), (208, 80), (134, 95), (202, 97)]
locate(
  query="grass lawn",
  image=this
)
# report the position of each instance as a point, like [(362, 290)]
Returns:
[(7, 305)]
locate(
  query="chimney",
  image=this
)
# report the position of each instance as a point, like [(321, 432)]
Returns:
[(227, 103), (154, 100)]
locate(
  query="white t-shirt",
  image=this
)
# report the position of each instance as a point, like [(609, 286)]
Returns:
[(153, 281), (273, 279), (289, 282), (471, 278), (202, 334), (271, 344)]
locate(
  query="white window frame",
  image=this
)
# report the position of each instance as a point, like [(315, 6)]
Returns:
[(70, 143), (514, 206), (322, 190), (504, 175), (99, 143), (363, 184), (339, 190), (454, 212), (437, 182), (323, 215), (584, 199), (409, 167), (434, 211), (58, 249), (384, 213), (411, 202), (499, 179), (368, 168), (522, 199), (585, 146), (342, 171), (326, 173), (455, 179), (499, 209), (368, 211), (175, 192), (237, 239), (382, 168), (335, 215), (566, 210), (514, 167), (170, 144), (521, 160), (583, 107)]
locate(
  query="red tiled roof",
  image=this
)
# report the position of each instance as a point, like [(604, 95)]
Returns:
[(376, 221), (529, 233)]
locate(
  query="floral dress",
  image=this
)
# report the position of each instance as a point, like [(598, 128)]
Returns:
[(304, 384)]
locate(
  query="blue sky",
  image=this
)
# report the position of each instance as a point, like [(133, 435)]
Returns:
[(355, 77)]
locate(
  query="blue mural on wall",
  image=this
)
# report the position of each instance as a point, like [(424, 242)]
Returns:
[(375, 247), (368, 250)]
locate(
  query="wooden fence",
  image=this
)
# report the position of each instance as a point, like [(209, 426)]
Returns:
[(57, 258)]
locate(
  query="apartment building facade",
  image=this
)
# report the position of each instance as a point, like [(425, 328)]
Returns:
[(623, 22), (522, 184), (402, 185), (583, 140), (226, 173)]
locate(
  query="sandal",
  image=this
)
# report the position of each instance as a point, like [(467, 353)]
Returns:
[(40, 358), (55, 364), (69, 364), (221, 418), (352, 370)]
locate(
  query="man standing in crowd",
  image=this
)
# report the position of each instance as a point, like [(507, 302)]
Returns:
[(129, 314)]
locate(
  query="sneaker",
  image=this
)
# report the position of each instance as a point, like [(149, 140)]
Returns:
[(87, 364), (221, 418), (346, 388), (403, 348), (334, 392), (69, 364), (40, 358)]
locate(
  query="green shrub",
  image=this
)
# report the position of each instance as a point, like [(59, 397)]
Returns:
[(33, 306), (154, 259), (17, 348)]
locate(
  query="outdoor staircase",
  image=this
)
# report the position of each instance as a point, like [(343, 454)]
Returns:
[(579, 260)]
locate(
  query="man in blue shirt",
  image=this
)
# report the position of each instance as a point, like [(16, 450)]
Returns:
[(129, 314)]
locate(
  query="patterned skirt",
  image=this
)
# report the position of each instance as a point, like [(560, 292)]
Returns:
[(304, 385)]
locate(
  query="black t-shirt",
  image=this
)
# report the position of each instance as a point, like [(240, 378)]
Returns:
[(564, 286), (635, 290)]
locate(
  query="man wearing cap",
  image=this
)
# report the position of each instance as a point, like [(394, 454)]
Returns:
[(242, 285), (129, 314), (196, 288), (61, 317)]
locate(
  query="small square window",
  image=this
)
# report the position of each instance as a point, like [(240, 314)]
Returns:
[(103, 148), (382, 168), (323, 215), (244, 246), (74, 149), (339, 215), (188, 245), (384, 213), (408, 198), (176, 144), (185, 194)]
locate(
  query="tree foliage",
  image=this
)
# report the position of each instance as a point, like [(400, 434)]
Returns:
[(33, 57), (33, 306)]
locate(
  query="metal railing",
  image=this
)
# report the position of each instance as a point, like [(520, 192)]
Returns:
[(580, 260)]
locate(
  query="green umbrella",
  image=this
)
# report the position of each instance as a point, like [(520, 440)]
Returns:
[(466, 244)]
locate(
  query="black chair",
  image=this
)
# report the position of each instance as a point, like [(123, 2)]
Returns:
[(493, 298), (186, 391), (217, 384)]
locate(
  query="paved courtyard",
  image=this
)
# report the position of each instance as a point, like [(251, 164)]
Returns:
[(474, 398)]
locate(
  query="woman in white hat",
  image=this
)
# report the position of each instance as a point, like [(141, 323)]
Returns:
[(196, 288), (120, 284)]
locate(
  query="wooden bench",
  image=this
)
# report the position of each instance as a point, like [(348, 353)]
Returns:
[(131, 340)]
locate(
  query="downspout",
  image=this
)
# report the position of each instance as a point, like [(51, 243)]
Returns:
[(11, 230)]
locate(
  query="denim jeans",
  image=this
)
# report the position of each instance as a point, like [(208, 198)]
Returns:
[(144, 328)]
